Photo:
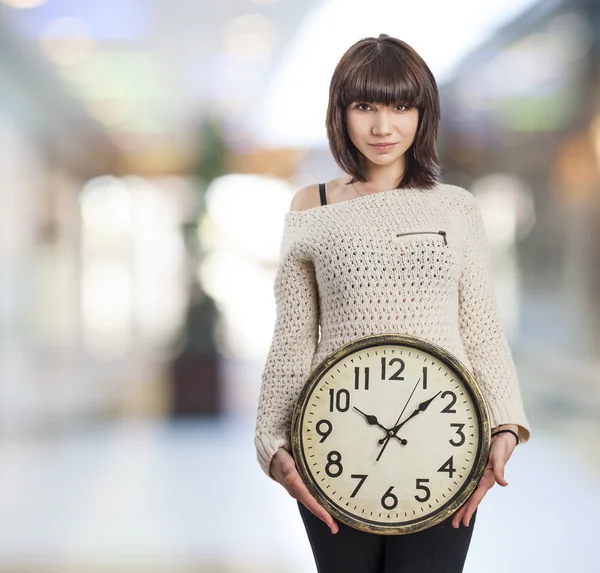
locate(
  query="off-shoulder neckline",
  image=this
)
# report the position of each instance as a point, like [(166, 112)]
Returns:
[(372, 196)]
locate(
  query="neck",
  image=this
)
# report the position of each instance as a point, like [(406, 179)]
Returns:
[(382, 177)]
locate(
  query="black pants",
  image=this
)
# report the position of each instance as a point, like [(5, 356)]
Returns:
[(439, 549)]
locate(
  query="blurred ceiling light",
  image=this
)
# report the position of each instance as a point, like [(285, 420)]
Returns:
[(66, 40), (250, 37), (24, 4), (530, 62), (246, 210), (575, 35), (507, 207), (106, 206)]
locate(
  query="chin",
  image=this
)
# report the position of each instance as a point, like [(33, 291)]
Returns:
[(383, 159)]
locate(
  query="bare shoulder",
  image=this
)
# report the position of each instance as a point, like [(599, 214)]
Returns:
[(306, 198)]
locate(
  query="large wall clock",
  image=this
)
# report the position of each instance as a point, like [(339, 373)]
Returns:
[(391, 433)]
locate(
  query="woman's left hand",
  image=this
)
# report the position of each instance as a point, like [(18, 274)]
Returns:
[(502, 447)]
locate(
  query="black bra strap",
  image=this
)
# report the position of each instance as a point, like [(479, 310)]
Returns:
[(322, 193)]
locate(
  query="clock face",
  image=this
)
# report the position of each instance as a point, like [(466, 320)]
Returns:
[(391, 434)]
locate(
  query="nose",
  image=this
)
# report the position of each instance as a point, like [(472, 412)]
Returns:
[(381, 123)]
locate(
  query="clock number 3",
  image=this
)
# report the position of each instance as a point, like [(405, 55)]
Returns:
[(459, 428)]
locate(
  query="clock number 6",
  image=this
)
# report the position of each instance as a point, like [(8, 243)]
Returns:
[(389, 495), (424, 488)]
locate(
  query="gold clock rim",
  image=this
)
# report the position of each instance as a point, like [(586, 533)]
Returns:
[(468, 380)]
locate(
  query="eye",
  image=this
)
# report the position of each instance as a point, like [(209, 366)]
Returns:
[(358, 106)]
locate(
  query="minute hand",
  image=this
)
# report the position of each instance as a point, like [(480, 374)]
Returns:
[(421, 408)]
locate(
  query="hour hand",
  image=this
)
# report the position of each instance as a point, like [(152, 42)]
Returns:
[(373, 421)]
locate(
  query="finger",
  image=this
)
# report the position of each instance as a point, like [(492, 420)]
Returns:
[(466, 511), (499, 464), (313, 506), (499, 475), (298, 490), (472, 505), (458, 516), (281, 468), (485, 484)]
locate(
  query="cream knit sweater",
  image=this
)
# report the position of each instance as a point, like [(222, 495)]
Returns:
[(379, 264)]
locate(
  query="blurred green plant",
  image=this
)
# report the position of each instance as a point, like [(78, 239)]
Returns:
[(196, 383)]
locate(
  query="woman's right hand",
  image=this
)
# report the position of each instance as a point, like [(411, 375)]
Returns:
[(283, 469)]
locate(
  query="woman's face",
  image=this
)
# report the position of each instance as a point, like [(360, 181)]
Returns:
[(369, 124)]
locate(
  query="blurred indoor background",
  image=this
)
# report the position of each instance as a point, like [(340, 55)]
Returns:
[(148, 152)]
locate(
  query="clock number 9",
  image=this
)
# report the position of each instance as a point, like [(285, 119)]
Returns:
[(424, 488), (389, 495), (331, 462), (342, 400), (324, 434)]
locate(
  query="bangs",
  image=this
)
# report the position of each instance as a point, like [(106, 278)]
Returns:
[(386, 80)]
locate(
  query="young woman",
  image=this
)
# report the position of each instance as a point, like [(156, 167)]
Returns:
[(343, 275)]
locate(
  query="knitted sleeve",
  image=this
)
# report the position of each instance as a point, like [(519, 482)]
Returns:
[(482, 333), (293, 345)]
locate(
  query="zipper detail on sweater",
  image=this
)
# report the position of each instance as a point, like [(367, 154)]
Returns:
[(443, 233)]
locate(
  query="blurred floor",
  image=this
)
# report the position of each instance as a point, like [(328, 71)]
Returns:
[(189, 496), (147, 496)]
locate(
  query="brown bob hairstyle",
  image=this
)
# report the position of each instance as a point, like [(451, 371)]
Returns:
[(385, 71)]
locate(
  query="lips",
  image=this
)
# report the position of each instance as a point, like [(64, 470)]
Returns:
[(382, 146)]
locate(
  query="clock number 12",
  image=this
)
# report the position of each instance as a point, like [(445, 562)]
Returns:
[(395, 375)]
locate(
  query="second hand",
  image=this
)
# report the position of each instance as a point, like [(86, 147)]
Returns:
[(388, 437)]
